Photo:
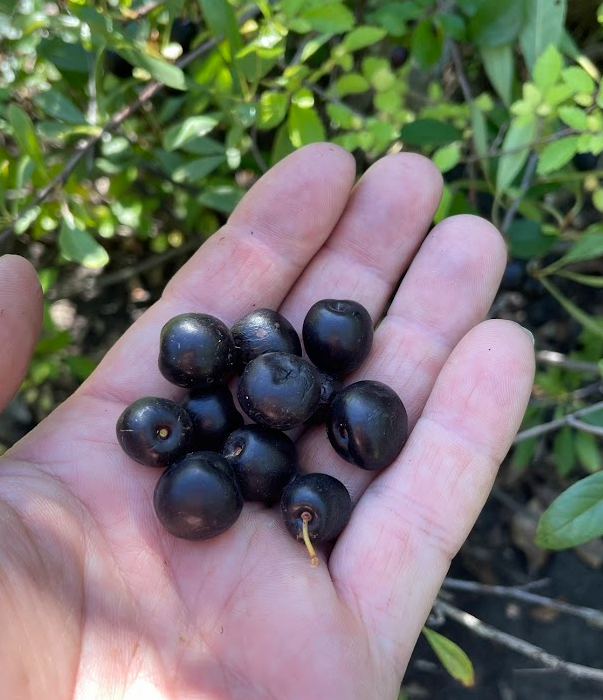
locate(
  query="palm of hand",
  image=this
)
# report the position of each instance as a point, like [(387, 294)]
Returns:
[(244, 615)]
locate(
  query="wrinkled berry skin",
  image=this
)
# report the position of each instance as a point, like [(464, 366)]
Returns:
[(338, 335), (264, 461), (196, 351), (155, 432), (263, 331), (325, 498), (367, 424), (329, 386), (214, 417), (279, 390), (198, 498)]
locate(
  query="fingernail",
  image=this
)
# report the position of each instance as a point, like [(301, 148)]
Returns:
[(529, 333)]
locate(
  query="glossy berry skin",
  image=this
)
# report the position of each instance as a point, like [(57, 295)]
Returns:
[(198, 498), (264, 461), (279, 390), (196, 351), (367, 424), (514, 275), (214, 417), (263, 331), (155, 432), (338, 335), (325, 498)]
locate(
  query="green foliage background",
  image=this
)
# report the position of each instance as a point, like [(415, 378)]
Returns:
[(122, 150)]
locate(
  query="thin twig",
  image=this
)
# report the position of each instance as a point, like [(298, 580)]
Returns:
[(557, 359), (592, 616), (255, 151), (585, 427), (457, 61), (526, 182), (147, 264), (145, 95), (144, 10), (538, 430), (484, 631), (495, 153)]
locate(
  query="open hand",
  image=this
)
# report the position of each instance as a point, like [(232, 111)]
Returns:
[(98, 601)]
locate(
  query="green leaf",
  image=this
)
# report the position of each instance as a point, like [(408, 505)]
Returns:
[(189, 129), (578, 79), (162, 71), (273, 109), (363, 36), (80, 366), (25, 136), (221, 22), (547, 68), (350, 84), (526, 239), (496, 23), (574, 517), (544, 23), (587, 451), (581, 316), (304, 126), (223, 198), (56, 105), (563, 449), (557, 154), (447, 157), (518, 139), (498, 64), (588, 247), (282, 145), (452, 657), (523, 454), (574, 117), (480, 130), (426, 44), (334, 18), (452, 25), (429, 132), (197, 169), (79, 246), (71, 58)]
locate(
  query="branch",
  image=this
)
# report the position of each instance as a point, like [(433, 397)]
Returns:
[(592, 616), (495, 153), (569, 419), (484, 631), (557, 359), (145, 95), (457, 61), (526, 182)]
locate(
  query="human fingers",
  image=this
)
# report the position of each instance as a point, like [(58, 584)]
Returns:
[(392, 558), (20, 322)]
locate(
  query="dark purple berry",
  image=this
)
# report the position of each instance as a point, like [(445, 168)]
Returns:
[(198, 498), (279, 390), (338, 335), (315, 508), (367, 424), (196, 351), (214, 417), (155, 432), (183, 32), (263, 331), (264, 461), (585, 161), (398, 56), (514, 275)]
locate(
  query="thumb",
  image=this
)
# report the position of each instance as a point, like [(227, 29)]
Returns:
[(20, 322)]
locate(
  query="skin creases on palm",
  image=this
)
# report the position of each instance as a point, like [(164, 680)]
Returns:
[(98, 601)]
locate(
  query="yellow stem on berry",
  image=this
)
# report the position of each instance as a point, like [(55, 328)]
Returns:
[(305, 518)]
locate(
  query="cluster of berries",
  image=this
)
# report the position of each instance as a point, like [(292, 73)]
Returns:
[(215, 462)]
